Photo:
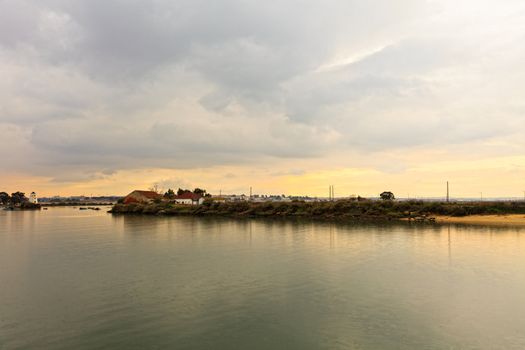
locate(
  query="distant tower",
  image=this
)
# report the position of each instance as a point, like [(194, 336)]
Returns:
[(32, 198)]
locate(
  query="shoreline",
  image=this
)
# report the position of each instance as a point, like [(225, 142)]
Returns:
[(490, 220), (501, 220), (502, 213)]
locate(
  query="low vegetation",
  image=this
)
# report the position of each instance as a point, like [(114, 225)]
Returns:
[(341, 209)]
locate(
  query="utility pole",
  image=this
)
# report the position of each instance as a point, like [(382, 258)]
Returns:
[(448, 193), (250, 192), (481, 196), (333, 193)]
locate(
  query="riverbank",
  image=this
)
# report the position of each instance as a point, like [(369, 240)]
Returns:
[(23, 206), (344, 210), (511, 219), (76, 204)]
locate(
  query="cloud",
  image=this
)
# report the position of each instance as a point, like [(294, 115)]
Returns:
[(90, 87)]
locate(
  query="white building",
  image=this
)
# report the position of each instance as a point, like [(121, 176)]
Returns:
[(189, 199), (32, 198)]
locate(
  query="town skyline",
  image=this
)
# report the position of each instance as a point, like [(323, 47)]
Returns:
[(520, 195), (103, 98)]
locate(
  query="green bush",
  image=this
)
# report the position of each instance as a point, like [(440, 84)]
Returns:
[(339, 209)]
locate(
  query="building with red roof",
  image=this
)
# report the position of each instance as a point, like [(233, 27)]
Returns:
[(189, 198), (138, 196)]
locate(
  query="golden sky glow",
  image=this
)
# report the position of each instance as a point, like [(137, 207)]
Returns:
[(468, 179), (368, 96)]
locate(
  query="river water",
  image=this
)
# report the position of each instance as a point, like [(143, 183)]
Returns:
[(72, 279)]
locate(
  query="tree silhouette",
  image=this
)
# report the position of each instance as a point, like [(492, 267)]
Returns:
[(181, 191), (18, 198), (169, 194), (199, 191), (387, 196), (4, 198)]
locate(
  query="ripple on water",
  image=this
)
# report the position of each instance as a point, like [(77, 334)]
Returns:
[(90, 280)]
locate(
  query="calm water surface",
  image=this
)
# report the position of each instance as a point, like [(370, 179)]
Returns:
[(73, 279)]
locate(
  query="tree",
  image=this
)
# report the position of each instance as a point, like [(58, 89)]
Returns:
[(4, 198), (181, 191), (199, 191), (387, 196), (155, 188), (18, 198), (170, 194)]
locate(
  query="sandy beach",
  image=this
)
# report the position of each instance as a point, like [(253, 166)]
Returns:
[(510, 219)]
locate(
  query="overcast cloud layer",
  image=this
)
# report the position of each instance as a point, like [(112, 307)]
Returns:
[(96, 86)]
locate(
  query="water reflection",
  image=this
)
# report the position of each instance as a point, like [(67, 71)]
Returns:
[(101, 281), (449, 246)]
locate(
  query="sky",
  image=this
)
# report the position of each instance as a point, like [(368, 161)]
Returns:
[(100, 97)]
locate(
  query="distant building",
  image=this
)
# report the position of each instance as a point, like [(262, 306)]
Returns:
[(189, 198), (230, 198), (218, 199), (141, 197), (33, 198)]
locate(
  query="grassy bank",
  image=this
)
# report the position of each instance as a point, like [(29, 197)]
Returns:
[(340, 210)]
